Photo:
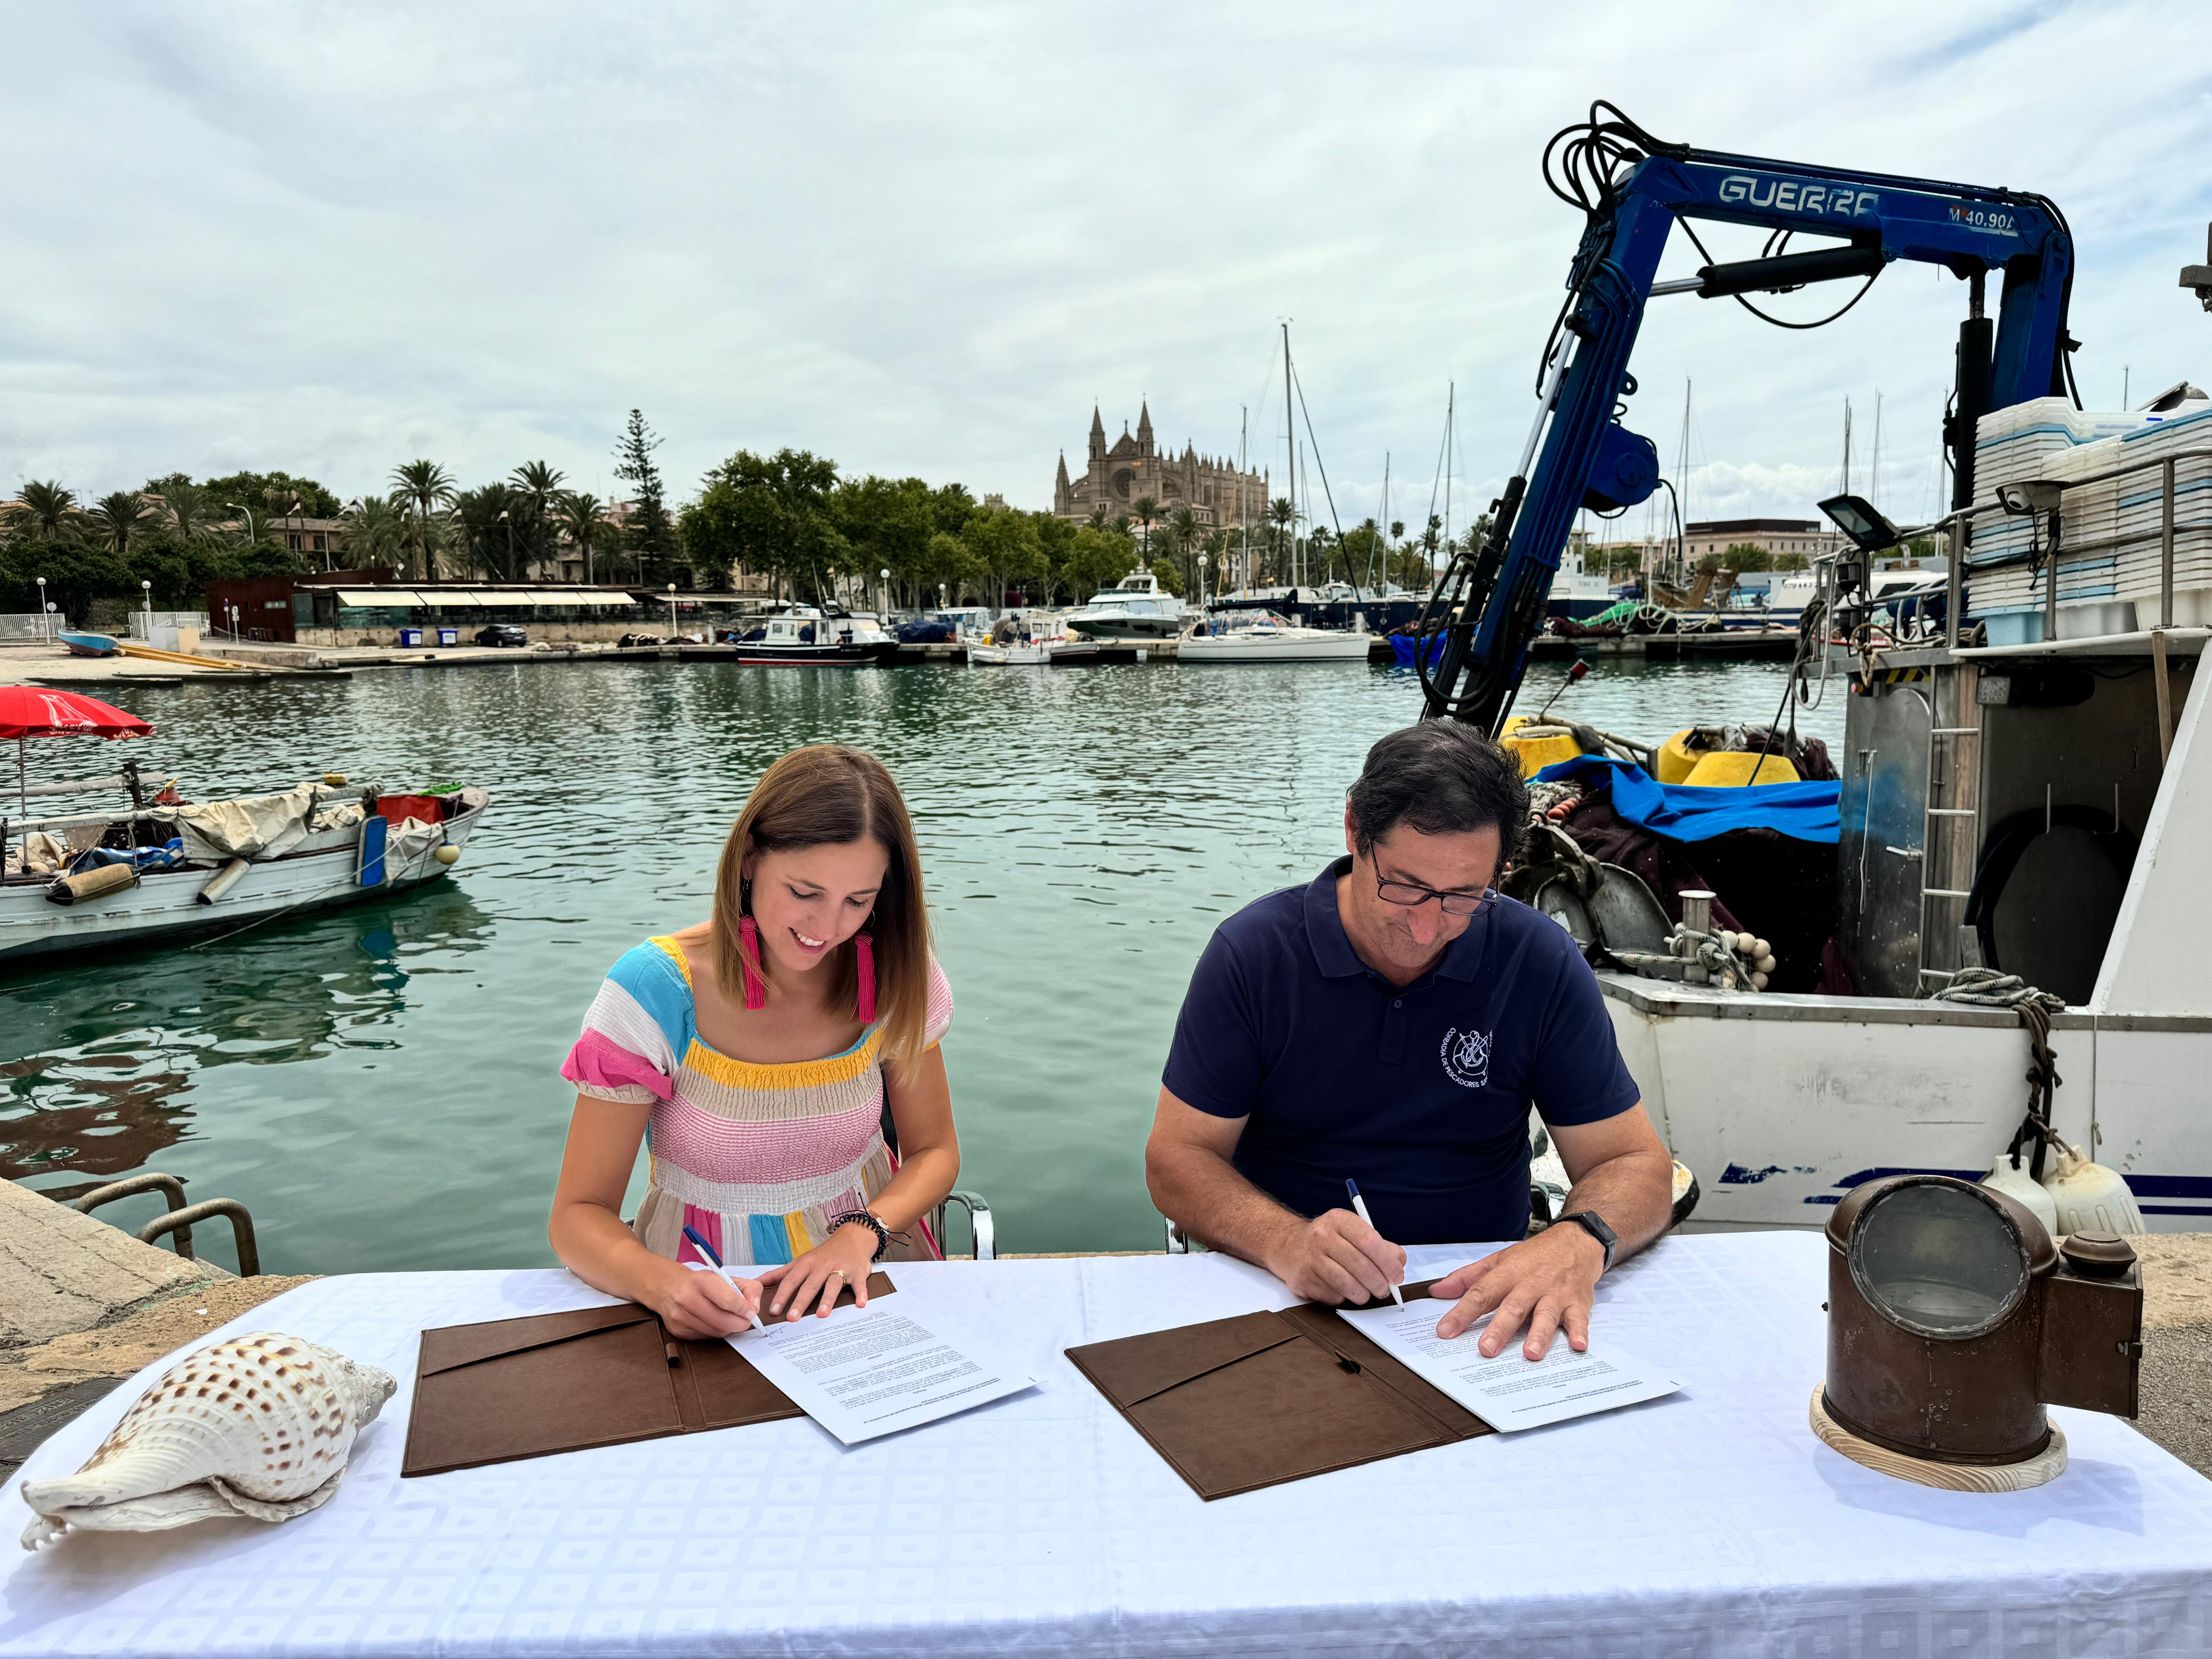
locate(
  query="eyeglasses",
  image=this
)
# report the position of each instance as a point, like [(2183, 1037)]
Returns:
[(1408, 894)]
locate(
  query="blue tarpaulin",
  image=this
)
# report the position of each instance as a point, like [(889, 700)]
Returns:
[(1803, 811)]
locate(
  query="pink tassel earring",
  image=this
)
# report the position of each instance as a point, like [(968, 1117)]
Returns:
[(749, 955), (864, 1004)]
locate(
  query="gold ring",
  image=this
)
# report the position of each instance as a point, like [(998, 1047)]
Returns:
[(837, 1272)]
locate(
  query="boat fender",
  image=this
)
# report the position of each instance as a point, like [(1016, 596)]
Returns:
[(448, 855), (2090, 1198), (92, 883), (2022, 1188), (223, 881)]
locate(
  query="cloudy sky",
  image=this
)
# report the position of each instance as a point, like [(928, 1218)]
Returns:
[(924, 239)]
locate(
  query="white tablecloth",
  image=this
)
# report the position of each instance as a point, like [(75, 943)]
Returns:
[(1708, 1523)]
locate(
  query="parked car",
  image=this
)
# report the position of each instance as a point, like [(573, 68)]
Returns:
[(502, 633)]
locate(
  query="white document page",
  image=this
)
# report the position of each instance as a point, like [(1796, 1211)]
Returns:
[(874, 1370), (1509, 1392)]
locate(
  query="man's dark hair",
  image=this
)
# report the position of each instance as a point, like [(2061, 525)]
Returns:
[(1443, 779)]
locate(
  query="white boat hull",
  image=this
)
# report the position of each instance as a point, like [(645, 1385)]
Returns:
[(319, 873), (1297, 645), (1782, 1104)]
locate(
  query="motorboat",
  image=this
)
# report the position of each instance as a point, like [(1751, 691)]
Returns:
[(804, 636), (1137, 608), (1035, 640), (82, 644), (97, 880), (1262, 636)]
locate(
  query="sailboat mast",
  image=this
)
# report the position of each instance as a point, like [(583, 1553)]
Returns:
[(1382, 529), (1290, 443), (1243, 493)]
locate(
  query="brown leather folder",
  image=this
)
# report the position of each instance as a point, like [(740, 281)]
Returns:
[(1236, 1404), (593, 1377)]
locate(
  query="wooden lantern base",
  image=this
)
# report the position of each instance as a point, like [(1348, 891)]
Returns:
[(2046, 1465)]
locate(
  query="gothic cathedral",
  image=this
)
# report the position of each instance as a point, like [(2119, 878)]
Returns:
[(1212, 487)]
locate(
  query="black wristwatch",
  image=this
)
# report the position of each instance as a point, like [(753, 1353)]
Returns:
[(1589, 1223)]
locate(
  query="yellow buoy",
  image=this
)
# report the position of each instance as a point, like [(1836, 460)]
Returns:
[(1677, 759), (448, 855), (1733, 771), (1537, 746)]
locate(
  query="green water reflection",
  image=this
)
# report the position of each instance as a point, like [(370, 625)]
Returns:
[(380, 1084)]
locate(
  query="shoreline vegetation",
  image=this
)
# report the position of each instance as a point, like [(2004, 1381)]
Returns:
[(790, 524)]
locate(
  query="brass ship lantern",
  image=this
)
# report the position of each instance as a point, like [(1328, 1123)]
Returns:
[(1953, 1322)]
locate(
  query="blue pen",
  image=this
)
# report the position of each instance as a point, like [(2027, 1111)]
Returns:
[(715, 1256), (1359, 1209)]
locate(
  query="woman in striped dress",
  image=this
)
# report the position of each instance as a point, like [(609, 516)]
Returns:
[(760, 1056)]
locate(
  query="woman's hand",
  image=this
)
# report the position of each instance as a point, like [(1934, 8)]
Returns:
[(697, 1305), (842, 1259)]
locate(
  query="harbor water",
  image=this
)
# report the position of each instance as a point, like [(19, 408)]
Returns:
[(380, 1084)]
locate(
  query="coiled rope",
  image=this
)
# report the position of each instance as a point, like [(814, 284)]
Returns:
[(1986, 988)]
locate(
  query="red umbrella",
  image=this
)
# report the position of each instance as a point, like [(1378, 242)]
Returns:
[(31, 711)]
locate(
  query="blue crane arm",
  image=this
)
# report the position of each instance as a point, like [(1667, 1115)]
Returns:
[(1490, 605)]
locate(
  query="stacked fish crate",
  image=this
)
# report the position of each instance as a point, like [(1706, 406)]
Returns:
[(2109, 546)]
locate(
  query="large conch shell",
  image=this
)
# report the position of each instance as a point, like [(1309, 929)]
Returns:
[(259, 1425)]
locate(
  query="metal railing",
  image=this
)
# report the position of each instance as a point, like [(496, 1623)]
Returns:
[(178, 1223), (28, 626), (983, 1246), (1956, 523), (144, 623)]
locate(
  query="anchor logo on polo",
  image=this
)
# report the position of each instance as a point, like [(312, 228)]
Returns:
[(1467, 1057)]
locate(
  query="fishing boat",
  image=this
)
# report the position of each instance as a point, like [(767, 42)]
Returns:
[(1135, 608), (81, 644), (803, 636), (97, 880), (1577, 593), (1249, 637)]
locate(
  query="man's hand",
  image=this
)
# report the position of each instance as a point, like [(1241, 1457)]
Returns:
[(1337, 1257), (1543, 1282)]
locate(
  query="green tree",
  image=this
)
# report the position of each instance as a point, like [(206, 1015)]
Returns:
[(44, 511), (651, 534), (583, 520), (424, 487), (273, 494), (769, 513), (1095, 561), (1169, 577), (887, 524), (119, 519), (77, 571), (1006, 549), (1055, 540)]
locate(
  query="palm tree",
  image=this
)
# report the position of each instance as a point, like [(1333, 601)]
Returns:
[(44, 509), (375, 529), (584, 520), (187, 512), (424, 486), (1145, 509), (538, 485), (1282, 516), (1098, 515), (115, 519), (1184, 523)]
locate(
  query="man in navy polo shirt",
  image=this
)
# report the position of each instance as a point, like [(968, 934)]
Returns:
[(1392, 1023)]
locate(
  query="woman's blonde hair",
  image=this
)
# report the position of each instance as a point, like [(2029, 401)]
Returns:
[(828, 794)]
